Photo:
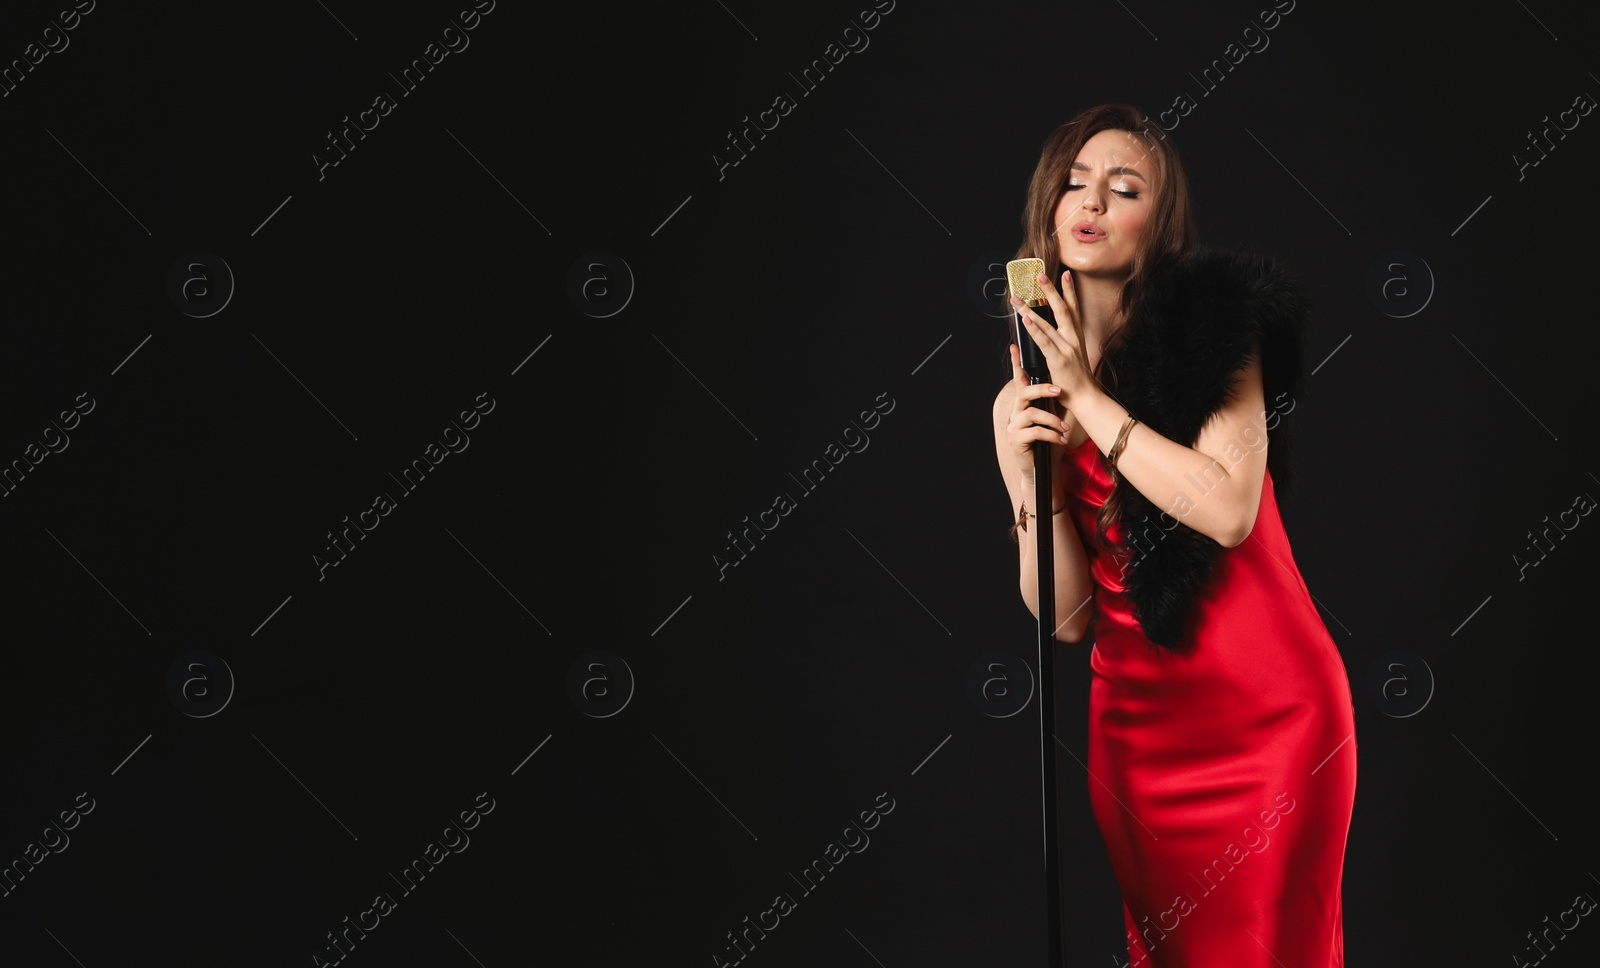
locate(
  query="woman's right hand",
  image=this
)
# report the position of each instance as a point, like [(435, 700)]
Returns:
[(1030, 423)]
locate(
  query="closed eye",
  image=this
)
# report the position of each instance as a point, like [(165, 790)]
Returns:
[(1115, 191)]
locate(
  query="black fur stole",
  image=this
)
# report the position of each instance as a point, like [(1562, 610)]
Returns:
[(1199, 320)]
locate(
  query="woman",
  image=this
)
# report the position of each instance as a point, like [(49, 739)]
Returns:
[(1221, 729)]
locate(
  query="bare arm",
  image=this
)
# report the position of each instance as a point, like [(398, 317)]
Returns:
[(1215, 486), (1015, 427)]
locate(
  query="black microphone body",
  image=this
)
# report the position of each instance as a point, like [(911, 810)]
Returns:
[(1033, 361)]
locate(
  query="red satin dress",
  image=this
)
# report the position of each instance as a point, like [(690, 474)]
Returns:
[(1223, 775)]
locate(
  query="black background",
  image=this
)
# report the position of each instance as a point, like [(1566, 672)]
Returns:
[(830, 269)]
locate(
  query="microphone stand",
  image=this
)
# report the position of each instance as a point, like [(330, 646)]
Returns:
[(1038, 372)]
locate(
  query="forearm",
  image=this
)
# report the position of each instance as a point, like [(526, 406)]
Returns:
[(1073, 586), (1191, 486)]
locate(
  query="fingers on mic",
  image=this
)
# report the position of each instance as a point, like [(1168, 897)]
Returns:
[(1041, 426), (1038, 419)]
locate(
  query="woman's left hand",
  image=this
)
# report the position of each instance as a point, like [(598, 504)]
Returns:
[(1062, 350)]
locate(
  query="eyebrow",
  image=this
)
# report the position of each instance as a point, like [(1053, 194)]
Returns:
[(1119, 170)]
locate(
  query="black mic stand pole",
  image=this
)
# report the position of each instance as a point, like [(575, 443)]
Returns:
[(1045, 557)]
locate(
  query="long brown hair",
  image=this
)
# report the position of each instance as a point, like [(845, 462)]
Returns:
[(1169, 233)]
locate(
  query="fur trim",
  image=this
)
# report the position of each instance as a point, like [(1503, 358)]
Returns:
[(1199, 320)]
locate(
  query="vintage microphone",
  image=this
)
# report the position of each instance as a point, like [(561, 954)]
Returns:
[(1022, 274)]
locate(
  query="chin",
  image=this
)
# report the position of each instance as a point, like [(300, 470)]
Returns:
[(1093, 267)]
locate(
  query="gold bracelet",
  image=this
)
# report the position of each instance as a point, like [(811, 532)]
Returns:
[(1122, 439), (1024, 514)]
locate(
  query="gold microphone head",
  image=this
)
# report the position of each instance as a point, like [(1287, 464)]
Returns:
[(1023, 275)]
